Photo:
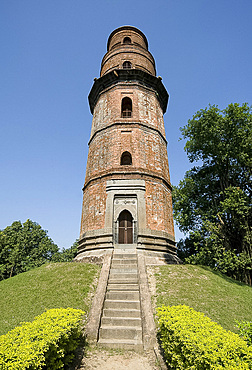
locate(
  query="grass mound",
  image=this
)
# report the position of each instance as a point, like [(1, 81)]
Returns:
[(222, 299), (54, 285)]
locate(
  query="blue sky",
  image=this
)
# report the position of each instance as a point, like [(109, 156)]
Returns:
[(51, 51)]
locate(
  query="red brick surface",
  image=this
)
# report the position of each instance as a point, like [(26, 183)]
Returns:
[(147, 148), (158, 207), (136, 52), (145, 107), (94, 206)]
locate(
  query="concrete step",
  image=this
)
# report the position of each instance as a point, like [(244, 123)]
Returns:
[(135, 345), (124, 256), (122, 261), (116, 280), (125, 286), (120, 304), (123, 296), (128, 261), (121, 321), (120, 332), (124, 266), (123, 270), (125, 247), (123, 275), (120, 312)]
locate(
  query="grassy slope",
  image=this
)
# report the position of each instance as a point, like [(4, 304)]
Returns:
[(67, 285), (27, 295), (223, 299)]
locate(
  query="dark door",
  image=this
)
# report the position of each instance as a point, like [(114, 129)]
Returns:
[(125, 228)]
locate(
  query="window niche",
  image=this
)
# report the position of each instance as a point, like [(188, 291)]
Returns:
[(126, 107), (127, 40), (127, 65), (126, 159)]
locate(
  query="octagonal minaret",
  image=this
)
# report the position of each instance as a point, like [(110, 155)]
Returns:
[(127, 199)]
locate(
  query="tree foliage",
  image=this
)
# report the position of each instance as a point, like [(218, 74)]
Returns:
[(212, 204), (23, 247), (67, 254)]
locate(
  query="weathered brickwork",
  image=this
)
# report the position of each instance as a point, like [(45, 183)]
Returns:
[(137, 38), (94, 207), (158, 207), (136, 52), (140, 133), (139, 59), (145, 107), (147, 147)]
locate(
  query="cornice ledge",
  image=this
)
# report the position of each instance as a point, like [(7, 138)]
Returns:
[(119, 75)]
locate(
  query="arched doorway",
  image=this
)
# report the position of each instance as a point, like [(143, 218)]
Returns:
[(125, 228)]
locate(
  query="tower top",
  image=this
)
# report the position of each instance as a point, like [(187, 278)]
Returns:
[(126, 32), (127, 48), (129, 61)]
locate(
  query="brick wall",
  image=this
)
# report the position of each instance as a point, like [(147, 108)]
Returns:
[(136, 52), (145, 107), (158, 207), (140, 59), (147, 148), (94, 207), (136, 38)]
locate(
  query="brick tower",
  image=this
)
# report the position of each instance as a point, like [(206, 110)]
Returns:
[(127, 192)]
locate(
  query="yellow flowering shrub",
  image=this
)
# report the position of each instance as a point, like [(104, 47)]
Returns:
[(192, 340), (47, 342)]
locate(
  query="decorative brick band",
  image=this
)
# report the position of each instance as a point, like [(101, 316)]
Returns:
[(139, 173), (130, 124)]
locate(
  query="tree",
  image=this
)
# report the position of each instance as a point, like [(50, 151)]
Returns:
[(66, 255), (213, 201), (23, 247)]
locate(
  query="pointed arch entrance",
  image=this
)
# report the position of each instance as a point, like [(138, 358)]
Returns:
[(125, 228)]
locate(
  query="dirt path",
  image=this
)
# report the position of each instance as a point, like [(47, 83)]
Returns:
[(118, 360)]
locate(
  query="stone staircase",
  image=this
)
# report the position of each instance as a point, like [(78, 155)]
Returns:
[(121, 322)]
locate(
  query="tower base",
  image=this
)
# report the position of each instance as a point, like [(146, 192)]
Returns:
[(157, 249)]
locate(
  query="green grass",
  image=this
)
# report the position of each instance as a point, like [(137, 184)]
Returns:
[(222, 299), (54, 285)]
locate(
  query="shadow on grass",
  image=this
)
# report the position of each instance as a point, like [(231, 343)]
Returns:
[(223, 276)]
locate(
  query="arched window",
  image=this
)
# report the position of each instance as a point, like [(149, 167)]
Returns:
[(126, 159), (127, 65), (127, 40), (126, 107)]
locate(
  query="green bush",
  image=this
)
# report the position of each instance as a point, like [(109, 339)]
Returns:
[(47, 342), (193, 341), (245, 331)]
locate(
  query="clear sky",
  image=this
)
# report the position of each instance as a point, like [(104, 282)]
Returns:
[(51, 51)]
